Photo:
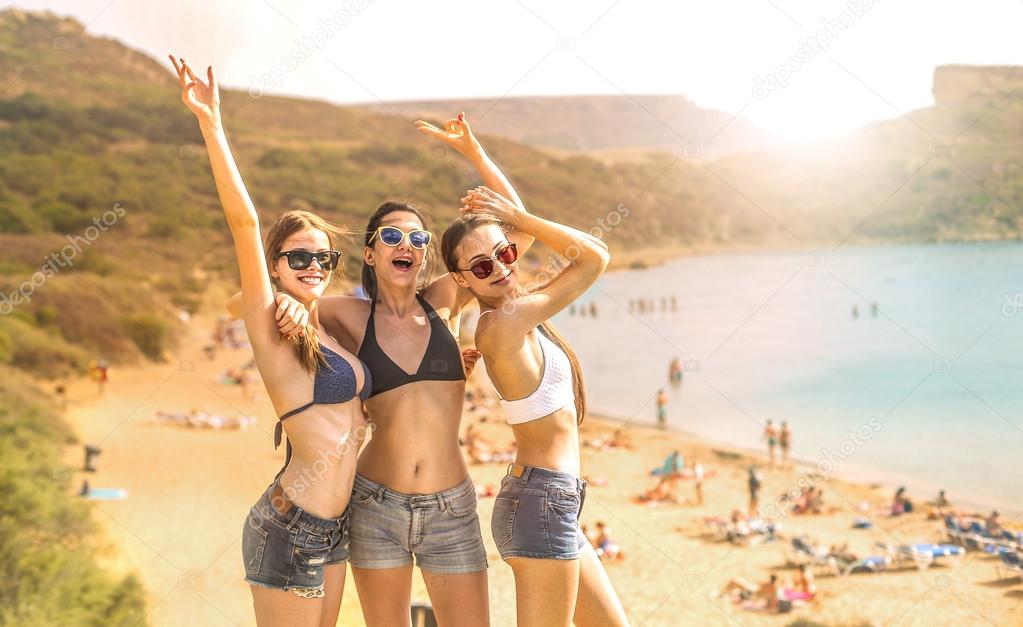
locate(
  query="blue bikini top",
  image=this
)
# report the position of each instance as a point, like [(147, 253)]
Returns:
[(335, 382)]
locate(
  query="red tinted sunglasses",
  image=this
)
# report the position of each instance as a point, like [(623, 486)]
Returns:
[(483, 268)]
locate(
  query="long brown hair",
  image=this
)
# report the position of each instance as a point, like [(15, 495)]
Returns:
[(307, 345), (369, 276), (453, 236)]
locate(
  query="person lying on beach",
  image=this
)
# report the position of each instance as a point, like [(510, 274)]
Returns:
[(809, 501), (483, 451), (202, 420), (607, 548), (801, 589), (669, 473), (739, 529), (765, 595), (617, 440), (842, 553), (666, 490)]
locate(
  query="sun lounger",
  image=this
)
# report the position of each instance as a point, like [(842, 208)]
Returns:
[(804, 553), (872, 564), (954, 532), (1011, 561), (923, 554)]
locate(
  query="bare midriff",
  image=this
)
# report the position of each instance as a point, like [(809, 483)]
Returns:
[(413, 446), (550, 442), (325, 441)]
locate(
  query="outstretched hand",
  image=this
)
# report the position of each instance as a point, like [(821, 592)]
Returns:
[(456, 133), (201, 98)]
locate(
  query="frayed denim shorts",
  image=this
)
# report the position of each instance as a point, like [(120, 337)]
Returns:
[(536, 514), (289, 550), (441, 530)]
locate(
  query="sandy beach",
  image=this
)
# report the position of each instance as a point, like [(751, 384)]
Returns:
[(189, 490)]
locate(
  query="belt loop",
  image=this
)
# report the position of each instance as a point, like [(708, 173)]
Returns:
[(442, 502), (526, 470), (379, 496)]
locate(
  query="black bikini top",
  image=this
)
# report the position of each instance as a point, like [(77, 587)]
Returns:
[(335, 382), (441, 362)]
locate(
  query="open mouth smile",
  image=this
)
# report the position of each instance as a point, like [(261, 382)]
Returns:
[(403, 263)]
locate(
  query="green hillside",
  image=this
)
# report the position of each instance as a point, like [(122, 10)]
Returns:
[(90, 128)]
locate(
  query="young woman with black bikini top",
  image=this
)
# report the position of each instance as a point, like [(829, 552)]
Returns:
[(405, 333)]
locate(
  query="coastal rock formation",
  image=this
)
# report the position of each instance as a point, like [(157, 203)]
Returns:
[(954, 84)]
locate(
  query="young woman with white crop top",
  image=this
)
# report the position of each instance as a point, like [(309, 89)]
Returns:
[(558, 577)]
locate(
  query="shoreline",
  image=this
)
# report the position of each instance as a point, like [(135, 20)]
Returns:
[(658, 256), (846, 472), (179, 526)]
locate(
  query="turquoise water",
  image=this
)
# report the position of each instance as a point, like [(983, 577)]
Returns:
[(929, 392)]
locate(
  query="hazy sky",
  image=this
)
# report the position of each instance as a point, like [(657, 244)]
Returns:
[(848, 62)]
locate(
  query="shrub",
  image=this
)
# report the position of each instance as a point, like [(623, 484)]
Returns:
[(34, 351), (49, 572), (149, 332)]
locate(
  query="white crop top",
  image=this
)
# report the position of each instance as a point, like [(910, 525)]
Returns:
[(554, 392)]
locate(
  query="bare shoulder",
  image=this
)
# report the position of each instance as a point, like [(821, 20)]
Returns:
[(492, 332), (344, 310), (446, 297)]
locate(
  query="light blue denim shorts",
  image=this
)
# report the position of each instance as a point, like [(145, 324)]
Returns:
[(440, 530), (536, 514)]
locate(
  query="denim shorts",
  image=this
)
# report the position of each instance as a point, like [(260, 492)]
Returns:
[(536, 514), (441, 530), (288, 551)]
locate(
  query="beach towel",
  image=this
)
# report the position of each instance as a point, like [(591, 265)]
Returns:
[(106, 494)]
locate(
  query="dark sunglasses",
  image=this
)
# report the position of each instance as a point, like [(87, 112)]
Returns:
[(392, 236), (302, 259), (483, 268)]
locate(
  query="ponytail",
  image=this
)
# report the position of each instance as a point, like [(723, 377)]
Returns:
[(548, 329)]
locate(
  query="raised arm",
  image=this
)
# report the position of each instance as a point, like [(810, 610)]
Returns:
[(203, 99), (587, 258), (457, 134)]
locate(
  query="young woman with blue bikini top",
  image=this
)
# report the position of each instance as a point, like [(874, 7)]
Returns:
[(295, 538)]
